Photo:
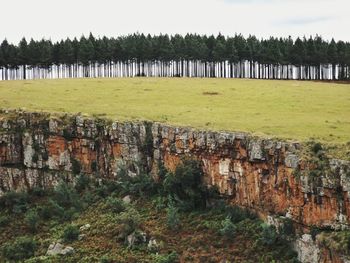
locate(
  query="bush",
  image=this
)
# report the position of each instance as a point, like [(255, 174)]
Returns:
[(38, 191), (4, 221), (22, 248), (32, 220), (228, 229), (128, 221), (159, 202), (185, 185), (170, 258), (51, 210), (15, 202), (287, 228), (82, 183), (268, 235), (66, 196), (173, 220), (76, 166), (116, 205), (238, 214), (141, 185), (70, 233)]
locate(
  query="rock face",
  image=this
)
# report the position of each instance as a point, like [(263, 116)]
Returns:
[(58, 249), (37, 150)]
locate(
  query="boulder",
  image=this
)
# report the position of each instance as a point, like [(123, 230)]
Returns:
[(84, 227), (127, 199), (136, 238), (58, 249), (153, 245)]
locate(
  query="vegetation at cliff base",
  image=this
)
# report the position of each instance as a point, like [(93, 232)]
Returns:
[(123, 221), (287, 109)]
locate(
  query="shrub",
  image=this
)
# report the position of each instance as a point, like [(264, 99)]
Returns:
[(238, 214), (173, 220), (82, 183), (336, 241), (70, 233), (38, 191), (76, 166), (185, 185), (169, 258), (116, 205), (15, 202), (159, 202), (66, 196), (141, 185), (32, 220), (128, 221), (22, 248), (287, 228), (228, 229), (4, 221), (51, 210), (268, 235)]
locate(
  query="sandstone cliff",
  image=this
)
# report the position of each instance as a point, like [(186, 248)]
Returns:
[(268, 176)]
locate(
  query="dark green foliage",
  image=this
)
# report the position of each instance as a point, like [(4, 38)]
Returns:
[(237, 214), (14, 202), (308, 52), (316, 147), (228, 229), (51, 210), (38, 192), (127, 222), (173, 221), (185, 185), (66, 196), (35, 157), (4, 220), (269, 235), (76, 166), (32, 220), (140, 185), (314, 231), (82, 183), (94, 166), (22, 248), (116, 205), (70, 233), (67, 134), (147, 146), (287, 229)]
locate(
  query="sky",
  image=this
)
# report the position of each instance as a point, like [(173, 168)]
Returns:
[(264, 18)]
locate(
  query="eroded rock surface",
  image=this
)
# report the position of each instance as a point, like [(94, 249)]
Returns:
[(38, 150)]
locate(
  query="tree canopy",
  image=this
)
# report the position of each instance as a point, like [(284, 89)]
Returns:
[(189, 55)]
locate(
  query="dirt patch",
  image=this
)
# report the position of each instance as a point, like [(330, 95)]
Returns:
[(211, 93)]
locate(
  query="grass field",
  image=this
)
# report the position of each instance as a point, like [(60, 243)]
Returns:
[(285, 109)]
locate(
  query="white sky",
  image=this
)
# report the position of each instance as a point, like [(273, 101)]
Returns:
[(57, 19)]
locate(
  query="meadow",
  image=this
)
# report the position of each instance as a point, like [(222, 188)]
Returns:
[(296, 110)]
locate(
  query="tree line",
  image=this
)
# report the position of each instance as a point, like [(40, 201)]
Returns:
[(165, 55)]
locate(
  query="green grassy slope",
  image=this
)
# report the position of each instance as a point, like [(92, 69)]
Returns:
[(287, 109)]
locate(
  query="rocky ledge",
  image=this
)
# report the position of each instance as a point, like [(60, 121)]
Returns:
[(271, 177)]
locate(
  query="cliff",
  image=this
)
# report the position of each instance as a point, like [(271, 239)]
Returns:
[(269, 176)]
